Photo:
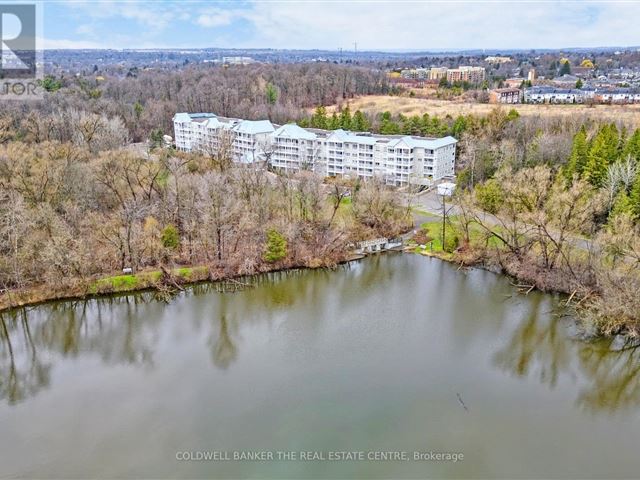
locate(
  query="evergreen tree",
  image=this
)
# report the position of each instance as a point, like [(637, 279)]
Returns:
[(412, 125), (137, 109), (276, 247), (389, 127), (345, 118), (319, 118), (359, 122), (622, 143), (632, 147), (156, 138), (271, 94), (613, 141), (579, 155), (602, 153), (459, 126), (334, 122), (565, 69)]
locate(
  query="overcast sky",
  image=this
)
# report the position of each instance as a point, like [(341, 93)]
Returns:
[(374, 25)]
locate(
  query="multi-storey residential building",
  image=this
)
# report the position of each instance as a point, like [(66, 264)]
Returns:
[(399, 160), (294, 148), (466, 74), (250, 139), (504, 95), (243, 140), (438, 73), (415, 73), (185, 125)]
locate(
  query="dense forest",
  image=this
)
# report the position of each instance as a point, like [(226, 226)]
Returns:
[(136, 105)]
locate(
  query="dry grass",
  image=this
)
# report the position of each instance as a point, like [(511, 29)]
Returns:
[(418, 106)]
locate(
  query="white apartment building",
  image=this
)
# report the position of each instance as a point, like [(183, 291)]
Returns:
[(251, 138), (244, 140), (399, 160), (294, 148)]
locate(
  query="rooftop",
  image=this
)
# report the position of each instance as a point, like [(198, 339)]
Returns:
[(253, 127), (292, 130)]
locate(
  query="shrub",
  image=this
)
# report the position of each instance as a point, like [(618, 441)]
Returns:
[(489, 196), (170, 237), (451, 243)]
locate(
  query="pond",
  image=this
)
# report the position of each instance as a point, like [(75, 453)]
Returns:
[(385, 358)]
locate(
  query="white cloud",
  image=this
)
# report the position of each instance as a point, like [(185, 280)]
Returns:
[(374, 25), (216, 17), (153, 15), (439, 25)]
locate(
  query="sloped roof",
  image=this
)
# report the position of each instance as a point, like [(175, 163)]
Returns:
[(181, 118), (346, 136), (254, 127), (291, 130), (430, 143), (187, 117)]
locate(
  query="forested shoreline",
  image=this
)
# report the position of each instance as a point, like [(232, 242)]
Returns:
[(555, 203), (79, 201)]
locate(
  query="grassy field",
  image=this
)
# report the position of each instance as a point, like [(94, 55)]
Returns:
[(418, 106)]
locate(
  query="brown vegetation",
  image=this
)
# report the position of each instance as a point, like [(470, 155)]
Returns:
[(68, 217), (375, 104)]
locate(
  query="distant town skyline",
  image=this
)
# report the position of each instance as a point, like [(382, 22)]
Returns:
[(330, 25)]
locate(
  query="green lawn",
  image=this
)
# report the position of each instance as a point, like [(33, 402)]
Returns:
[(142, 280), (454, 236)]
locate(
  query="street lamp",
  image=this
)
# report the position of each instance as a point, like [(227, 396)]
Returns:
[(445, 190)]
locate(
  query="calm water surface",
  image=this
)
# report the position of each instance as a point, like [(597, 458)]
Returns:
[(380, 355)]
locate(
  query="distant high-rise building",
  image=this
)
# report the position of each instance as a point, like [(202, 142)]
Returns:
[(466, 74)]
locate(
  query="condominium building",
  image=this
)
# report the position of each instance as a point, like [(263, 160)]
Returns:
[(251, 138), (244, 141), (466, 74), (416, 73), (505, 95), (294, 148), (399, 160), (438, 73)]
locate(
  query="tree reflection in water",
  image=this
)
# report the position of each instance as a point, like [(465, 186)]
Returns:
[(615, 378), (22, 373), (540, 344), (536, 343), (32, 339), (224, 351), (126, 330)]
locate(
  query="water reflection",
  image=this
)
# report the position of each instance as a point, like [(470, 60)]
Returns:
[(537, 342), (224, 352), (129, 330), (539, 346), (614, 376), (22, 371)]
